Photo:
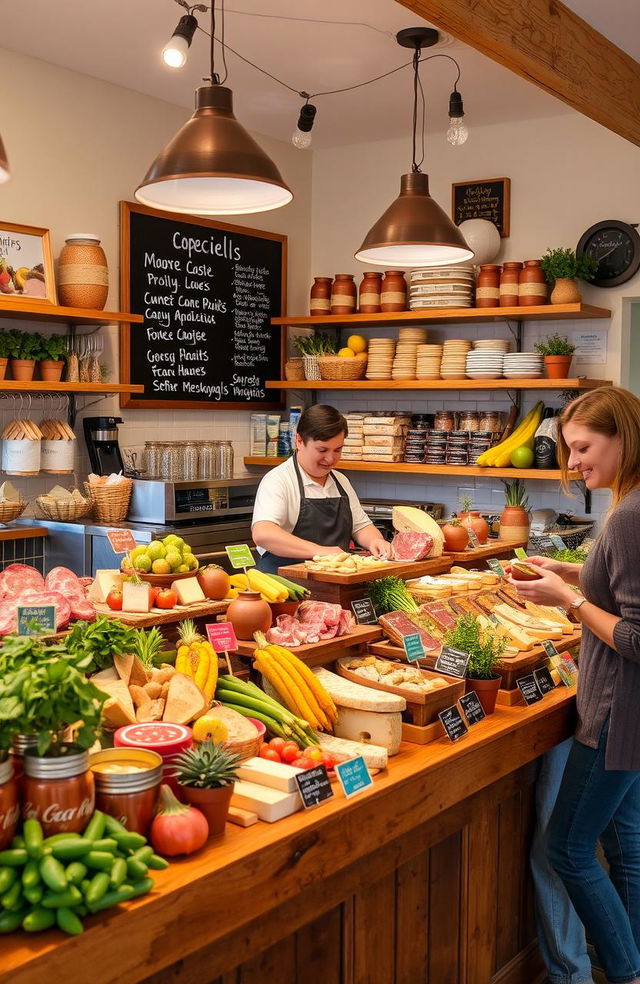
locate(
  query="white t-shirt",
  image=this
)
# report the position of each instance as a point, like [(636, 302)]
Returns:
[(278, 498)]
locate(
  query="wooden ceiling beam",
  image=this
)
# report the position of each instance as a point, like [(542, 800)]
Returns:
[(548, 44)]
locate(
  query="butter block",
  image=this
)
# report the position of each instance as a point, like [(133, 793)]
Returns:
[(277, 775), (135, 597), (189, 591), (269, 804), (384, 729), (103, 583)]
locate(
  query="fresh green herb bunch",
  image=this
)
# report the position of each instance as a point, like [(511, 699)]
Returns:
[(148, 645), (320, 344), (569, 556), (5, 344), (207, 766), (24, 344), (390, 594), (101, 641), (484, 650), (555, 345), (515, 494), (560, 264), (466, 503), (54, 347)]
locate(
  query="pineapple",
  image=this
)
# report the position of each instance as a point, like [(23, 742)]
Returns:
[(196, 658), (207, 766), (148, 645)]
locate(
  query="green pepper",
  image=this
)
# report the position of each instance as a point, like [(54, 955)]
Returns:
[(71, 850), (104, 844), (122, 894), (136, 869), (13, 898), (97, 888), (142, 887), (129, 840), (143, 854), (10, 921), (31, 874), (33, 837), (101, 860), (18, 841), (7, 878), (75, 872), (95, 828), (113, 826), (118, 872), (53, 874), (68, 921), (58, 838), (65, 900), (34, 894), (16, 857), (156, 863), (38, 919)]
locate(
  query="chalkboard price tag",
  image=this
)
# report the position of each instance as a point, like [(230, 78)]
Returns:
[(314, 786), (558, 542), (36, 619), (473, 709), (240, 555), (354, 775), (473, 537), (520, 553), (544, 680), (544, 541), (364, 611), (121, 540), (452, 662), (451, 720), (495, 566), (413, 647), (529, 689), (549, 648), (222, 637)]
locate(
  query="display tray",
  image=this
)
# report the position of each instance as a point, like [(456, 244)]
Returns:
[(394, 568), (319, 653), (164, 616), (494, 548)]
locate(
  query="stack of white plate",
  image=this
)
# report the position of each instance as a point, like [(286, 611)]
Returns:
[(484, 364), (381, 352), (442, 287), (523, 365), (492, 344), (428, 361), (454, 358)]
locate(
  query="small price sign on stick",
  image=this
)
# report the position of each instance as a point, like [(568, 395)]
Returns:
[(222, 637)]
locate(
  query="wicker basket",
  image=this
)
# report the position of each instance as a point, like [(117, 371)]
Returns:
[(11, 510), (294, 370), (333, 367), (110, 503), (573, 536), (311, 367), (249, 748), (62, 510)]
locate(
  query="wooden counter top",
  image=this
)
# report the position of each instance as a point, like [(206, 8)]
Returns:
[(259, 885), (22, 533)]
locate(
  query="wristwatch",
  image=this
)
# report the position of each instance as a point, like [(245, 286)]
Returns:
[(577, 601)]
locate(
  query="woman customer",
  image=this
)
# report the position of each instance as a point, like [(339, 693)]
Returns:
[(599, 797)]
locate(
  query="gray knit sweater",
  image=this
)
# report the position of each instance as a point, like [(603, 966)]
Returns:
[(609, 679)]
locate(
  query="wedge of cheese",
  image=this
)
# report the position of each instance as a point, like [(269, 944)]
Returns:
[(521, 638), (499, 632), (485, 577), (536, 627), (269, 804), (103, 583), (345, 693), (550, 614), (277, 775), (189, 591), (412, 520), (370, 727), (343, 749), (135, 597)]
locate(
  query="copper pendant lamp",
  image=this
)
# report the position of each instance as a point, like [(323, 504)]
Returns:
[(5, 173), (213, 166), (414, 231)]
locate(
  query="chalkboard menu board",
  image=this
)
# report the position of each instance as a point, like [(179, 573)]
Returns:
[(488, 198), (207, 291)]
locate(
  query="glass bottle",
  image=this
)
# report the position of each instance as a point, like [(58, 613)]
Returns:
[(190, 461), (225, 459), (152, 459)]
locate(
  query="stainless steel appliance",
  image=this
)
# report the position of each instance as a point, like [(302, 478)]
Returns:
[(155, 501), (101, 436), (379, 512)]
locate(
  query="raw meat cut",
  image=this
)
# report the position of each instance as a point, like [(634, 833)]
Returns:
[(65, 581), (314, 621), (411, 546), (16, 577), (397, 625), (82, 609)]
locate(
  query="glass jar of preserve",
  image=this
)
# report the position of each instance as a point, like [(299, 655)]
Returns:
[(490, 421), (225, 459), (320, 301), (393, 293), (369, 302), (488, 286), (9, 803), (208, 460), (127, 785), (509, 284), (444, 420), (58, 790), (532, 287), (469, 420), (343, 294)]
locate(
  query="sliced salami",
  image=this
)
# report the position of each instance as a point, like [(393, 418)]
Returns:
[(8, 618), (65, 581), (411, 546), (82, 609), (16, 577)]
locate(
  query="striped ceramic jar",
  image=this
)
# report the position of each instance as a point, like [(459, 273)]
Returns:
[(83, 275)]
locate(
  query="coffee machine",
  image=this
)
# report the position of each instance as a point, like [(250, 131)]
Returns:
[(101, 436)]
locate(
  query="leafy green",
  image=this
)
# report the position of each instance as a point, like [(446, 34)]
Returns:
[(101, 641), (555, 345), (569, 556), (558, 264), (390, 594), (148, 645), (484, 650)]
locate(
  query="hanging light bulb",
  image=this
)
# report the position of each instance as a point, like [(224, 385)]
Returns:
[(414, 231), (174, 53), (301, 136), (458, 131), (5, 173), (213, 166)]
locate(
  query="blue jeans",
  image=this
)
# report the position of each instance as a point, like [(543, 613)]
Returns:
[(595, 804), (561, 936)]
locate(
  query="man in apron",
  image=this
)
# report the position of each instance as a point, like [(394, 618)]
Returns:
[(302, 508)]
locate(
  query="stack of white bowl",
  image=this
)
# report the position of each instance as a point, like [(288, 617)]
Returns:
[(380, 358), (486, 359), (523, 365)]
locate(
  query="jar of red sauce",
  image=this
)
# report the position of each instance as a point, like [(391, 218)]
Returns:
[(58, 790), (168, 740), (127, 785), (9, 803)]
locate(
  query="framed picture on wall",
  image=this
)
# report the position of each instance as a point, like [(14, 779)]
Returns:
[(26, 265)]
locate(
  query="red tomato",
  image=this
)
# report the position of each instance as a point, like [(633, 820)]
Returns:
[(303, 762), (176, 828), (289, 751), (114, 600), (313, 753), (328, 761), (278, 744), (270, 754), (166, 598), (153, 594)]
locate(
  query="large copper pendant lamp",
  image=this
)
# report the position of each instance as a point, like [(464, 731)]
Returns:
[(5, 173), (414, 231), (213, 166)]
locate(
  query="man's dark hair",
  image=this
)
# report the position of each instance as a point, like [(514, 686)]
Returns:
[(320, 423)]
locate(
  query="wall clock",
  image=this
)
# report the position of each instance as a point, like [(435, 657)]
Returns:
[(616, 247)]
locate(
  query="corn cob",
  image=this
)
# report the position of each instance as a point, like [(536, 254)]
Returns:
[(286, 687), (290, 669), (322, 696)]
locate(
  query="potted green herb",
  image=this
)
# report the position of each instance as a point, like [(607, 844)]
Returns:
[(563, 269), (485, 650), (310, 347), (24, 347), (52, 357), (206, 776), (558, 352), (5, 352), (514, 520)]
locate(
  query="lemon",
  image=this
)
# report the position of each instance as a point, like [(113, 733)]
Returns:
[(210, 727), (346, 353), (160, 566), (357, 343)]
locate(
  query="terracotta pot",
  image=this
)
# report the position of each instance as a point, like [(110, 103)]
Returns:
[(320, 303), (22, 369), (249, 613), (566, 291), (514, 524), (532, 287), (214, 803), (557, 366), (50, 370), (473, 520), (3, 368), (487, 691)]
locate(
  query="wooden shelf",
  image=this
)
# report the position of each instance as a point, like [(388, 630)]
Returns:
[(25, 311), (39, 386), (438, 384), (542, 312), (403, 468)]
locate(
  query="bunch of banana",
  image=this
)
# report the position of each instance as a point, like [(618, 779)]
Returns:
[(196, 658), (298, 687), (267, 586), (500, 455)]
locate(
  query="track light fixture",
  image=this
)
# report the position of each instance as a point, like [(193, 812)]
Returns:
[(174, 53)]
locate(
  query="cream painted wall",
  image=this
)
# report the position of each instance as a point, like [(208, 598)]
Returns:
[(78, 146)]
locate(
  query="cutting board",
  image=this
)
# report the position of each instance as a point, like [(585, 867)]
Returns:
[(494, 548), (393, 568)]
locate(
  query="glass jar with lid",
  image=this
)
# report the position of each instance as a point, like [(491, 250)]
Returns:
[(190, 461), (169, 461), (208, 460), (225, 459), (58, 790), (151, 459)]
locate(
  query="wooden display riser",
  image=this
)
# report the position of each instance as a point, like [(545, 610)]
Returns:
[(327, 651), (162, 617), (477, 556)]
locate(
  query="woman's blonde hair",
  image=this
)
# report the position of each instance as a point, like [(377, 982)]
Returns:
[(613, 412)]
